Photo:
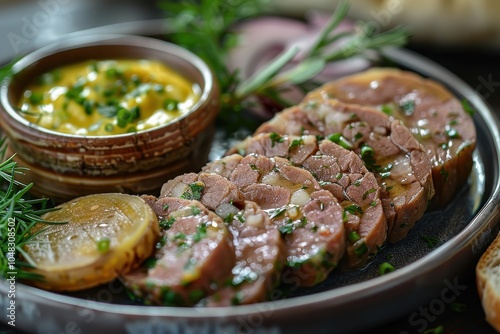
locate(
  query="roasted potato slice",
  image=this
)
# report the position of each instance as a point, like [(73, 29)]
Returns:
[(106, 235)]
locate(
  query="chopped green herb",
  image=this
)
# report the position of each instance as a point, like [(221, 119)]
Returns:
[(288, 228), (297, 143), (467, 107), (458, 307), (444, 173), (452, 133), (195, 210), (196, 295), (353, 236), (201, 232), (170, 297), (229, 218), (340, 140), (353, 209), (103, 245), (408, 107), (165, 224), (361, 249), (171, 104), (431, 240), (161, 242), (275, 138), (237, 298), (368, 192), (179, 235), (149, 263), (436, 330), (277, 213), (194, 192), (386, 109), (385, 268), (36, 98)]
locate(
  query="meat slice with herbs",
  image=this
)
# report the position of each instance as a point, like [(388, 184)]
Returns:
[(212, 190), (387, 148), (194, 256), (438, 120), (339, 171), (309, 217), (260, 256)]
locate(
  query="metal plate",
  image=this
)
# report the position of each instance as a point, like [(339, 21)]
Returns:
[(346, 301)]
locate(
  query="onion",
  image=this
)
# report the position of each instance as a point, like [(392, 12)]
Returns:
[(224, 210)]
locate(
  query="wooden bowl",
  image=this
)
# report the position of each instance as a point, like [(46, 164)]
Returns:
[(63, 166)]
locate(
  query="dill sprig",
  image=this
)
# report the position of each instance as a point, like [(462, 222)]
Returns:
[(206, 27), (18, 214)]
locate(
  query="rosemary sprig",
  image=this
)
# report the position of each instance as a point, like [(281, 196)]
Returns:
[(206, 27), (18, 215)]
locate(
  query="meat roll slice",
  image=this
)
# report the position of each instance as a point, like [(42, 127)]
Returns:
[(194, 256), (387, 148), (260, 257), (435, 117), (211, 190), (339, 171), (310, 218)]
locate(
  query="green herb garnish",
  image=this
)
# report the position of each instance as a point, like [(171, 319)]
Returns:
[(408, 107), (467, 107), (103, 245), (194, 192), (385, 268), (275, 138), (430, 240), (19, 213)]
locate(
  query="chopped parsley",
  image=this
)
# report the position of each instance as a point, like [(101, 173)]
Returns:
[(275, 138), (194, 192), (340, 140), (408, 107), (297, 143), (103, 245), (201, 232), (385, 268), (430, 240), (467, 107), (368, 192), (165, 224)]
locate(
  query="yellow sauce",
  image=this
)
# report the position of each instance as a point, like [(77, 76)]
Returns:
[(108, 97)]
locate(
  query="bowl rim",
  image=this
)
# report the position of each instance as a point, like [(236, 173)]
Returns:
[(106, 40)]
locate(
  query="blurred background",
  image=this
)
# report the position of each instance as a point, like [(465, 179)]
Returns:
[(461, 35)]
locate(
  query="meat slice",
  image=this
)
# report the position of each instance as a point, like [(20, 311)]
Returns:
[(195, 254), (387, 148), (435, 117), (339, 171), (309, 218), (210, 189), (260, 257)]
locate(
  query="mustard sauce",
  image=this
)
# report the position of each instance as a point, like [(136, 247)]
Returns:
[(108, 97)]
